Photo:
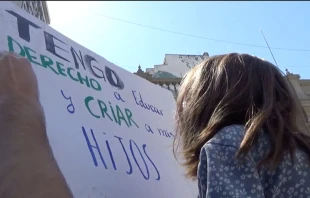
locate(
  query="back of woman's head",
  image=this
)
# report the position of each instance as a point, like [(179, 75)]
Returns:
[(236, 89)]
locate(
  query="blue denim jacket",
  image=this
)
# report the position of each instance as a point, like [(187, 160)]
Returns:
[(219, 175)]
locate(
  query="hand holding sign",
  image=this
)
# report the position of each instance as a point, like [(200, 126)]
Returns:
[(17, 76)]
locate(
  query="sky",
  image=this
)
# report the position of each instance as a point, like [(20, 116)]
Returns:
[(101, 27)]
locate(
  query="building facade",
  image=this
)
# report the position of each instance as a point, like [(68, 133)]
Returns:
[(169, 75), (177, 64), (38, 9), (301, 89)]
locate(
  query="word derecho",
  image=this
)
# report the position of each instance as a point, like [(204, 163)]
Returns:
[(86, 61)]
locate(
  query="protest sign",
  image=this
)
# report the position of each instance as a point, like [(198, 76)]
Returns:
[(110, 131)]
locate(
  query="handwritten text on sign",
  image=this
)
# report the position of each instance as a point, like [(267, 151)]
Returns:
[(115, 135)]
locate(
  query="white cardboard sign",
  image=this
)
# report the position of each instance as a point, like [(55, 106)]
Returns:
[(110, 131)]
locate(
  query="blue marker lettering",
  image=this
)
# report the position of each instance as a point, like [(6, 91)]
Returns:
[(134, 157), (129, 163), (91, 147)]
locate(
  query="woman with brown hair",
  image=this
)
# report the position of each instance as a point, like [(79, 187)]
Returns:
[(236, 127)]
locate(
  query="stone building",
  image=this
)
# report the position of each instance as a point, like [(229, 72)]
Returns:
[(38, 9), (177, 64), (301, 89), (169, 75)]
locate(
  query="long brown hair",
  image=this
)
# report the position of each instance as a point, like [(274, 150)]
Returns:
[(236, 89)]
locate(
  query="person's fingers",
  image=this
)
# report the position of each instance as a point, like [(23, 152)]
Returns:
[(14, 66), (17, 75), (14, 58), (12, 54)]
